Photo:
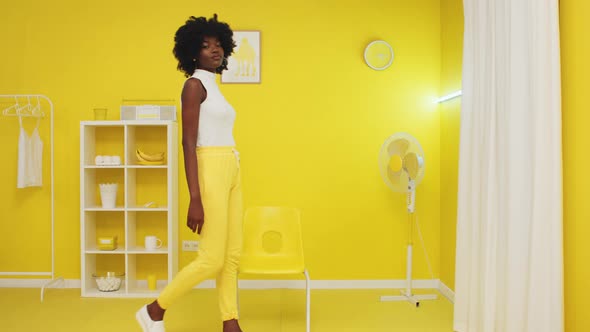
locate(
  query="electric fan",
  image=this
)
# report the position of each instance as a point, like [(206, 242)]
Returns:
[(401, 162)]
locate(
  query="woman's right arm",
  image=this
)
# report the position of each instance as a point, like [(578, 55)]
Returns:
[(193, 94)]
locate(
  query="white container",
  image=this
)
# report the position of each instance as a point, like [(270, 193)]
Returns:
[(108, 195), (109, 282), (148, 112), (107, 160)]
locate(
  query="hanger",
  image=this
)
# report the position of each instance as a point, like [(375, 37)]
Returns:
[(8, 111), (26, 110), (36, 111)]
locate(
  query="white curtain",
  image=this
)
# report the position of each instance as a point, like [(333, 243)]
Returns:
[(509, 260)]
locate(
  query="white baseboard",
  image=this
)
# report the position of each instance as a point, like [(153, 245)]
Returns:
[(447, 292), (337, 284), (38, 283), (263, 284), (369, 284)]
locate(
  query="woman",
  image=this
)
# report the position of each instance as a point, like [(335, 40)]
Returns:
[(213, 175)]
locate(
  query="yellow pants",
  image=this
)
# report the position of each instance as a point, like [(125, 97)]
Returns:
[(221, 235)]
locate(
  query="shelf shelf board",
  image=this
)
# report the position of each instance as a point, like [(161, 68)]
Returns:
[(123, 166), (143, 290), (95, 250), (103, 123), (142, 250), (94, 292), (141, 209), (131, 123), (147, 166), (103, 166), (98, 208)]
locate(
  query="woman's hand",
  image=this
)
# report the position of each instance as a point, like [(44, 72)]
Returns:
[(196, 215)]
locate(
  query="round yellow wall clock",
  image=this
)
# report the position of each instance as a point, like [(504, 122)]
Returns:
[(378, 55)]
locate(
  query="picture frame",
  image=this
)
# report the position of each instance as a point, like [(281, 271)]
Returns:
[(244, 64)]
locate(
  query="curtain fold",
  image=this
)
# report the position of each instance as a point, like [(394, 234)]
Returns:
[(509, 258)]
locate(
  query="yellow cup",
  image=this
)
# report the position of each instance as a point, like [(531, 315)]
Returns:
[(152, 282)]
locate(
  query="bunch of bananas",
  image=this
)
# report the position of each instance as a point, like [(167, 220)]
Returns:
[(146, 158)]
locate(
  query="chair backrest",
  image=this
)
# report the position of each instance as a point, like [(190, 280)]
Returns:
[(274, 233)]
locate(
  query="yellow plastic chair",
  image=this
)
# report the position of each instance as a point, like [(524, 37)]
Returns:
[(273, 245)]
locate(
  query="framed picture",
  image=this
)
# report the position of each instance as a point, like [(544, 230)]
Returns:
[(244, 64)]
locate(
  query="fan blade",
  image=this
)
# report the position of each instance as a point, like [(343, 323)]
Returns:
[(394, 177), (412, 165), (395, 163), (398, 147)]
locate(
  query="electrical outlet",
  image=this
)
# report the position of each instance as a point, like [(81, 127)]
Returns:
[(190, 245)]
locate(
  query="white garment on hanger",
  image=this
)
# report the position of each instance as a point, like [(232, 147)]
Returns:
[(30, 158)]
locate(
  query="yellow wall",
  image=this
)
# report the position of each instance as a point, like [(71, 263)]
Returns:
[(309, 134), (575, 52), (450, 119)]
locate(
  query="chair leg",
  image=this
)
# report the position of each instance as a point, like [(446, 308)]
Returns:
[(307, 299)]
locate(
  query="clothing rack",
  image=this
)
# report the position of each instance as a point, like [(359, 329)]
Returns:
[(32, 108)]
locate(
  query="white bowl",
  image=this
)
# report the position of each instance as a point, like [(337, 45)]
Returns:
[(108, 282)]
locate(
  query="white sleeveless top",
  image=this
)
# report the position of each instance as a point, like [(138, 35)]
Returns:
[(30, 158), (217, 116)]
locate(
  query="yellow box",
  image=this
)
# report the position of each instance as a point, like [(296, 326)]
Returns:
[(107, 243)]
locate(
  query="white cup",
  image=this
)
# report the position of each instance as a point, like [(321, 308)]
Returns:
[(152, 242), (108, 195), (116, 160), (107, 160)]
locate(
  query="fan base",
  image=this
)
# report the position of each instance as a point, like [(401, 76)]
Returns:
[(414, 299)]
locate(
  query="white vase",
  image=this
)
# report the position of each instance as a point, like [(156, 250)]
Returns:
[(108, 195)]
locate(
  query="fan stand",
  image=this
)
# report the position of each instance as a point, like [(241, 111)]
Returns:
[(406, 294)]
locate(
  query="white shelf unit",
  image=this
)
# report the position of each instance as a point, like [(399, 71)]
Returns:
[(130, 220)]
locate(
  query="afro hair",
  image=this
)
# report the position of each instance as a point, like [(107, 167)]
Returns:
[(189, 38)]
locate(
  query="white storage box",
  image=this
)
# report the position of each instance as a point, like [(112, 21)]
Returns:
[(148, 112)]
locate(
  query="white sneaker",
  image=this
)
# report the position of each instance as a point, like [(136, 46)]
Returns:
[(146, 322)]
